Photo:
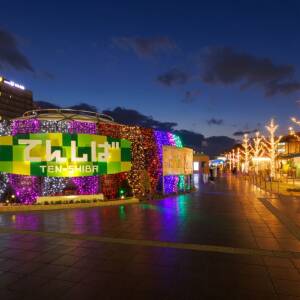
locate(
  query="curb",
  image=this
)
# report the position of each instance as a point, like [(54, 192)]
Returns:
[(24, 208)]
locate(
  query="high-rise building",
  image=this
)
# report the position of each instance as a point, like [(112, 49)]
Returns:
[(15, 99)]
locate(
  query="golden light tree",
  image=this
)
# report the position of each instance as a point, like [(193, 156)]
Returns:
[(257, 149), (238, 159), (246, 152), (233, 158), (229, 160), (271, 146)]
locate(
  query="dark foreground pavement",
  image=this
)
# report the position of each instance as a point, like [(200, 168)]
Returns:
[(226, 241)]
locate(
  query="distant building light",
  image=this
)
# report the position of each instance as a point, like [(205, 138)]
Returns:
[(14, 84), (221, 158), (196, 166)]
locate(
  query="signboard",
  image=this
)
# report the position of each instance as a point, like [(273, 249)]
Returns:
[(64, 154), (177, 161)]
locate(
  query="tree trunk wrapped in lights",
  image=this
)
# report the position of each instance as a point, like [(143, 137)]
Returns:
[(271, 146), (233, 158), (257, 149), (246, 153), (238, 159), (229, 157)]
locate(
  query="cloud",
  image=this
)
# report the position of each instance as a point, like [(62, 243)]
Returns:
[(46, 75), (41, 104), (81, 106), (10, 54), (284, 88), (214, 121), (133, 117), (211, 145), (242, 132), (191, 96), (173, 77), (226, 66), (145, 47), (215, 145)]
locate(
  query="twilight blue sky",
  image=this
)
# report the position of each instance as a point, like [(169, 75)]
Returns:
[(112, 53)]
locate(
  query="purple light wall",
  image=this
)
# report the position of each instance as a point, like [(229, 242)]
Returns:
[(88, 185), (169, 184)]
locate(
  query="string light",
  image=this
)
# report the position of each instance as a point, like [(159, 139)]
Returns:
[(146, 156), (5, 129), (257, 150), (87, 185), (82, 127), (25, 126), (238, 159), (3, 184), (271, 146), (54, 126), (25, 187), (53, 185), (246, 152)]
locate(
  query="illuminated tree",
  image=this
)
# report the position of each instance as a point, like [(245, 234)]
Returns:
[(229, 157), (246, 152), (271, 146), (257, 149), (233, 158), (238, 159)]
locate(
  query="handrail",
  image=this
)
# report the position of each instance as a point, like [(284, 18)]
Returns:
[(63, 111)]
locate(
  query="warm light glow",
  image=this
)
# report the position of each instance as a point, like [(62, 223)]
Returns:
[(261, 159), (196, 166), (246, 153), (272, 145)]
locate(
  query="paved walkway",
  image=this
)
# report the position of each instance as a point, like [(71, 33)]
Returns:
[(229, 240)]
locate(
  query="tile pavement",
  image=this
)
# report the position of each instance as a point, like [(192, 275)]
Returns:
[(229, 213)]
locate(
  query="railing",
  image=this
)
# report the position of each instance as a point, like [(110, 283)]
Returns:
[(65, 112), (264, 181)]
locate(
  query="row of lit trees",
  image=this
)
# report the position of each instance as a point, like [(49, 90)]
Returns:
[(255, 149)]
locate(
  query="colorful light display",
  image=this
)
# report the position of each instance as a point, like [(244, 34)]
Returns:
[(25, 126), (26, 187), (146, 160), (3, 184), (87, 185), (82, 127), (168, 184), (53, 185)]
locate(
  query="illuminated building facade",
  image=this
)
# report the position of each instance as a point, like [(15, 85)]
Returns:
[(15, 99), (58, 152), (289, 155)]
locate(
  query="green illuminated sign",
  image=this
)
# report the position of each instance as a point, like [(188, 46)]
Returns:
[(64, 154)]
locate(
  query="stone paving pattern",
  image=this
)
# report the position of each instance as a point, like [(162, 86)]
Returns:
[(49, 255)]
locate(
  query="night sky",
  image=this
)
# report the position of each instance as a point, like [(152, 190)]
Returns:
[(213, 67)]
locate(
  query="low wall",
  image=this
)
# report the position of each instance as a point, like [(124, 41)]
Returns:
[(68, 198), (36, 207)]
